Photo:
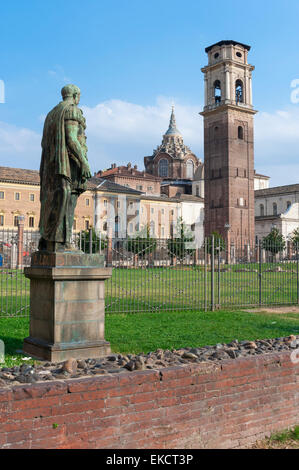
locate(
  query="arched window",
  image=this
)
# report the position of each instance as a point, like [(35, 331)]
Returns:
[(239, 91), (240, 133), (289, 204), (274, 208), (163, 168), (262, 210), (217, 91), (190, 169)]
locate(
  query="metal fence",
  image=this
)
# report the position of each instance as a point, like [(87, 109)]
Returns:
[(153, 275)]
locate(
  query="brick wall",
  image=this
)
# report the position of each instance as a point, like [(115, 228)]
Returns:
[(215, 405)]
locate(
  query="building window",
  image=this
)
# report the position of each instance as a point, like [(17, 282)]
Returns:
[(197, 190), (86, 224), (139, 187), (241, 201), (162, 211), (17, 196), (152, 228), (190, 169), (217, 91), (239, 91), (31, 222), (289, 204), (262, 210), (162, 232), (1, 194), (1, 220), (163, 168), (149, 188), (87, 202), (240, 133), (15, 220), (31, 197), (105, 203), (105, 226), (274, 208), (152, 210), (75, 224)]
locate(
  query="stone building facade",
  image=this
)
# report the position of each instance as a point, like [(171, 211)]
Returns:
[(228, 143), (132, 178), (277, 207)]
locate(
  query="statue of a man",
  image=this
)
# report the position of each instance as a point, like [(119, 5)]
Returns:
[(64, 170)]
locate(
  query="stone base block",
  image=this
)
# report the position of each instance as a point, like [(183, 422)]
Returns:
[(67, 306), (61, 352)]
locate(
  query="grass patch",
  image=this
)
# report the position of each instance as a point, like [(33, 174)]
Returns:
[(287, 439), (146, 332)]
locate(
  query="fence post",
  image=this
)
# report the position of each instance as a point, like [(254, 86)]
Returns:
[(218, 274), (90, 241), (260, 272), (212, 274), (20, 245), (109, 248), (206, 277), (297, 262)]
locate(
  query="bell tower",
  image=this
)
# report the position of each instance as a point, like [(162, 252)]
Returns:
[(228, 143)]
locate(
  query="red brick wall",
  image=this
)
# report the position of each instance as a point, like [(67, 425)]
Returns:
[(214, 405)]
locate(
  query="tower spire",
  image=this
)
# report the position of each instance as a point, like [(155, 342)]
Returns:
[(172, 129)]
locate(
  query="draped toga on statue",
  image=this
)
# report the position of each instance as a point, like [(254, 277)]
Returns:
[(64, 170)]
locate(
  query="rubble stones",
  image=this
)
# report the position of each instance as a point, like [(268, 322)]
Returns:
[(118, 363)]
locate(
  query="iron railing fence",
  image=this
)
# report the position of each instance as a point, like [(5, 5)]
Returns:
[(153, 275)]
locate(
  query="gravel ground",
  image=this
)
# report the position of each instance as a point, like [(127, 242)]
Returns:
[(118, 363)]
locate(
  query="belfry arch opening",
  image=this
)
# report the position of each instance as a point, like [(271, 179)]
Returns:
[(239, 92), (217, 91)]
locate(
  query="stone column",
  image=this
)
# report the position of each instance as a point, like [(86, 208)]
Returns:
[(227, 85)]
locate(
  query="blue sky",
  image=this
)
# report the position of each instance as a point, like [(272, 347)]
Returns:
[(131, 59)]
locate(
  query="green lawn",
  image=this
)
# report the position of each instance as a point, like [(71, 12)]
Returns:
[(146, 332)]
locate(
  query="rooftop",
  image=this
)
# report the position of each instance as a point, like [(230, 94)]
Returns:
[(290, 188), (228, 42), (126, 171)]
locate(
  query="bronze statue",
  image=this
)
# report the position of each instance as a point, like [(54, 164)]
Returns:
[(64, 170)]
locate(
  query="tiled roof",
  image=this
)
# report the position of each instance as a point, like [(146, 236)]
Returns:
[(19, 175), (290, 188), (128, 173), (103, 184)]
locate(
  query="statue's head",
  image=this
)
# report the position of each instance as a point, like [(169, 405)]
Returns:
[(71, 91)]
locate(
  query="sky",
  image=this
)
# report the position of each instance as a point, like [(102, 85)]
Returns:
[(132, 59)]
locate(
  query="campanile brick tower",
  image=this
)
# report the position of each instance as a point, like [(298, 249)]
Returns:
[(228, 143)]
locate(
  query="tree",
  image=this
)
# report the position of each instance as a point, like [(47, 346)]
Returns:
[(295, 237), (219, 243), (143, 244), (273, 242), (95, 241), (180, 245)]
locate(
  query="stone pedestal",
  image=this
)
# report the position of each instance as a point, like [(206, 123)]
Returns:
[(67, 306)]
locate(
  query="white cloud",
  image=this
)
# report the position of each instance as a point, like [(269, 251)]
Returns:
[(120, 131), (277, 145), (19, 147)]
